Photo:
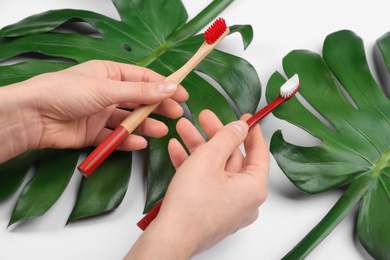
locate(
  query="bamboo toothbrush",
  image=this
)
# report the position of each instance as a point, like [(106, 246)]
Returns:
[(213, 35), (287, 91)]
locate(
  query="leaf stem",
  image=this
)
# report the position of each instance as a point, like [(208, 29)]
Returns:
[(338, 212), (156, 53), (198, 22)]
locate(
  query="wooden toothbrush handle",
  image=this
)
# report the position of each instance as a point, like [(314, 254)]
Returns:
[(121, 132), (142, 112), (138, 116)]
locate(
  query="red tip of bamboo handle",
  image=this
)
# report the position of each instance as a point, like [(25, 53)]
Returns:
[(152, 214), (103, 151)]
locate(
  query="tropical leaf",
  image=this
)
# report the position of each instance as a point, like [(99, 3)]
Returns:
[(150, 33), (104, 190), (354, 130), (37, 197), (14, 171), (160, 168)]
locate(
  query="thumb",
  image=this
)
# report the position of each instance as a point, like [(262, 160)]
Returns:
[(228, 139), (138, 92)]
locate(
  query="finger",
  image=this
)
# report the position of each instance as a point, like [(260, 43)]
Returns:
[(117, 92), (177, 153), (235, 162), (115, 71), (227, 140), (257, 154), (209, 122), (132, 105), (132, 73), (152, 128), (149, 127), (180, 95), (131, 143), (189, 134), (168, 108), (210, 125), (128, 72), (123, 72)]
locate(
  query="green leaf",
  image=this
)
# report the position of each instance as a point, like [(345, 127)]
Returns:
[(160, 169), (227, 70), (154, 20), (373, 225), (150, 33), (246, 32), (25, 70), (199, 21), (44, 189), (14, 171), (338, 212), (105, 189), (353, 128)]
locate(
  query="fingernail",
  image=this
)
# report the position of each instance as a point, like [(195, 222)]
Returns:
[(172, 140), (146, 145), (241, 126), (167, 86)]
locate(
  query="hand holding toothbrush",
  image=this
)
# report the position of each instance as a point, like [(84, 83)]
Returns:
[(214, 192), (79, 106), (213, 35), (287, 91)]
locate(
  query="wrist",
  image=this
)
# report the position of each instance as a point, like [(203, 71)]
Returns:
[(165, 238), (19, 122)]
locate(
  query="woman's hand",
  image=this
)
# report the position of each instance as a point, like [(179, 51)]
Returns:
[(215, 191), (78, 107)]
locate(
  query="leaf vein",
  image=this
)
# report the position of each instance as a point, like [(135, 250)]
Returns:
[(365, 95), (81, 47), (123, 32), (363, 134), (144, 23), (385, 189)]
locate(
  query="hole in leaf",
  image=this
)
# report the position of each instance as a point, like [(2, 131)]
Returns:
[(291, 133), (78, 26), (314, 112), (347, 96), (383, 72), (218, 87), (126, 47), (35, 56)]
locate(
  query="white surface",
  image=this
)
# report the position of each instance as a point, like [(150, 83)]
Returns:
[(286, 216)]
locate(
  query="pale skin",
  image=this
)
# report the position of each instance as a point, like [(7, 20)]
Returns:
[(77, 107), (216, 190)]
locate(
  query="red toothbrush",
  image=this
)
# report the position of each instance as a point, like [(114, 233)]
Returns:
[(287, 91), (213, 35)]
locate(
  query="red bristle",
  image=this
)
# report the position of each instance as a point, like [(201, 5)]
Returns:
[(215, 31)]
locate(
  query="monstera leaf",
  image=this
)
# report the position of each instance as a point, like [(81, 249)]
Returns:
[(150, 33), (355, 134)]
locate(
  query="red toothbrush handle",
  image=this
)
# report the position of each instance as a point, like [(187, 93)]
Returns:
[(148, 218), (103, 150), (264, 112)]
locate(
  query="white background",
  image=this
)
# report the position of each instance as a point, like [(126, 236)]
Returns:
[(286, 216)]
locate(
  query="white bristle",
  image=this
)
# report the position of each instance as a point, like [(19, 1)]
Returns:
[(290, 86)]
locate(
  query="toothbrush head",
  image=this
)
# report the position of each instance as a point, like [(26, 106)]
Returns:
[(288, 89), (215, 31)]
